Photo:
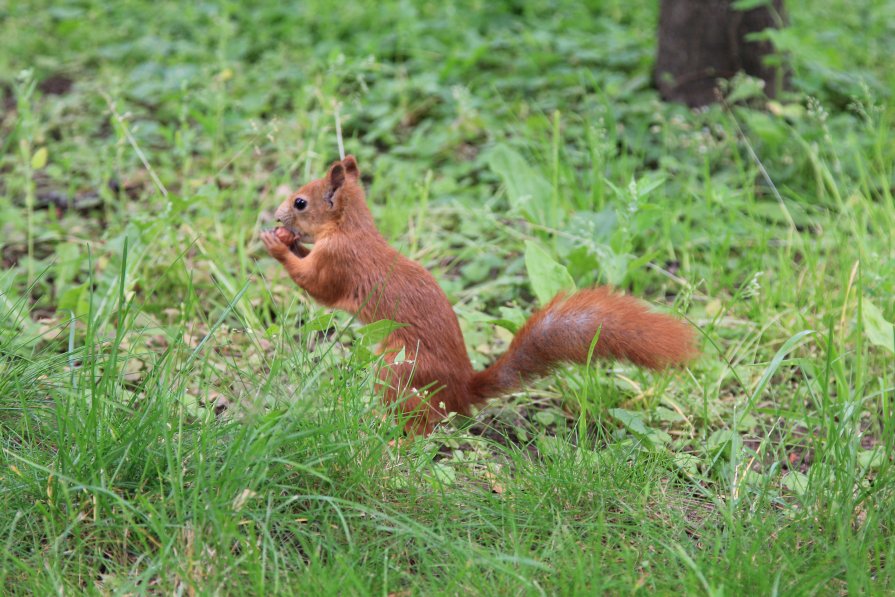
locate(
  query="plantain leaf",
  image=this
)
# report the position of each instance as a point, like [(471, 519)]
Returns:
[(879, 331), (796, 482), (633, 422), (547, 277), (376, 332), (39, 159), (527, 189)]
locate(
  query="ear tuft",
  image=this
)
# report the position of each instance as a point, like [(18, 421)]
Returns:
[(351, 168)]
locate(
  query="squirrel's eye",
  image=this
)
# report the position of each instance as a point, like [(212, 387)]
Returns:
[(300, 204)]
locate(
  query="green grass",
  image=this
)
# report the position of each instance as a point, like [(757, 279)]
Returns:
[(176, 416)]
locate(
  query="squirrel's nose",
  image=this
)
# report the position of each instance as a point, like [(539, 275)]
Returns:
[(281, 215)]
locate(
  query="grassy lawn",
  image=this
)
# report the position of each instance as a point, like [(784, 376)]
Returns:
[(177, 417)]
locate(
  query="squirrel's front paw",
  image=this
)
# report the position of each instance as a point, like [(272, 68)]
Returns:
[(277, 248)]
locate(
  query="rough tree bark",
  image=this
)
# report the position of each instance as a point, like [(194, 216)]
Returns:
[(701, 41)]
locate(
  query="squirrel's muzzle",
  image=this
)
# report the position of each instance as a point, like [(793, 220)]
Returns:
[(283, 214)]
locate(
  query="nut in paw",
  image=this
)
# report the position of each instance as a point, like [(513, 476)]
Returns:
[(286, 236)]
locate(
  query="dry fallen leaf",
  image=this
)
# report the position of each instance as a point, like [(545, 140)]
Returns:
[(244, 496), (495, 484)]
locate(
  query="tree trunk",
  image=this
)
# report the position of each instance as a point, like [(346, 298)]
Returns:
[(701, 41)]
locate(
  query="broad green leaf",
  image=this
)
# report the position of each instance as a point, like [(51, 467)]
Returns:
[(512, 318), (871, 459), (39, 159), (445, 474), (68, 264), (879, 331), (769, 129), (593, 226), (746, 422), (376, 332), (721, 440), (791, 111), (666, 414), (75, 299), (527, 190), (687, 462), (796, 482), (545, 417), (401, 356), (547, 277), (648, 184), (633, 422), (745, 88), (505, 324), (320, 323), (615, 267), (751, 478)]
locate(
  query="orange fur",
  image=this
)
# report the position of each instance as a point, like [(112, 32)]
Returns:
[(353, 268)]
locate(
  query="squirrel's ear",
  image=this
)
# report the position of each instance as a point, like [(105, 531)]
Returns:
[(350, 165), (336, 175), (335, 179)]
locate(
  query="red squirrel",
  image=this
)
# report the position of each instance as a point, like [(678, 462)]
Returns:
[(353, 268)]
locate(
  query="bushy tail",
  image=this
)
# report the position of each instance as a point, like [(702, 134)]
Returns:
[(564, 330)]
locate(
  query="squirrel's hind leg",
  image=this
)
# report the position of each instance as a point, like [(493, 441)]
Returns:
[(421, 408)]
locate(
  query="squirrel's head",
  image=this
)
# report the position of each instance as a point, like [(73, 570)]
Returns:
[(327, 204)]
